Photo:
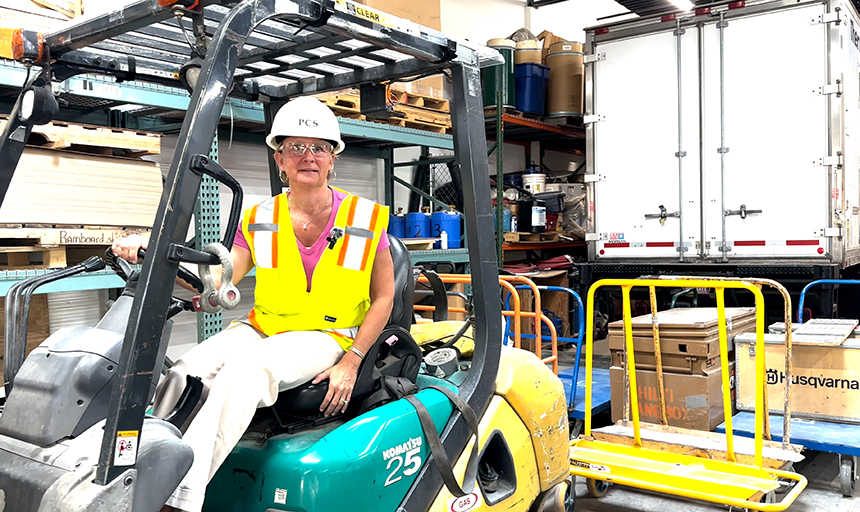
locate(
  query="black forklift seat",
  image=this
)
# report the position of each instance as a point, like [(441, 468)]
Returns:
[(394, 354)]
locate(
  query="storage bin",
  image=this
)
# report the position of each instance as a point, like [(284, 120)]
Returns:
[(530, 90)]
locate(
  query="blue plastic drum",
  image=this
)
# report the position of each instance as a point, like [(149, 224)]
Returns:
[(417, 225), (449, 222), (397, 225)]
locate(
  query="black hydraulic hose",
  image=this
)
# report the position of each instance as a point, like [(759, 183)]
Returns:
[(459, 334), (10, 332), (29, 287)]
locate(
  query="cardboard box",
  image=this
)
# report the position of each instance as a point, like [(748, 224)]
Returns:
[(825, 379), (692, 401), (426, 13)]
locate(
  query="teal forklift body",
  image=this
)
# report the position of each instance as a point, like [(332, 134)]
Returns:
[(371, 459)]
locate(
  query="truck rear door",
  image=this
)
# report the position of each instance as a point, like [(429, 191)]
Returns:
[(774, 190), (644, 207)]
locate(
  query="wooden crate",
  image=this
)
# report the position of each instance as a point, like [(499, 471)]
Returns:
[(37, 327), (825, 379)]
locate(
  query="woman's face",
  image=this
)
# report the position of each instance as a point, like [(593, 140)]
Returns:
[(306, 161)]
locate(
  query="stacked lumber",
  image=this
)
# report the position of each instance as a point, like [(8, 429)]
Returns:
[(37, 327), (63, 206), (415, 111)]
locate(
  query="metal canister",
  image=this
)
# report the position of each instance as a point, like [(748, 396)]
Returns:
[(488, 75)]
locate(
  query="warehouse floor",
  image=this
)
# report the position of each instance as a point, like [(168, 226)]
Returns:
[(821, 469)]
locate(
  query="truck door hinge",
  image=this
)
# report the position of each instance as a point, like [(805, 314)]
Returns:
[(829, 17), (838, 160), (829, 232), (831, 89), (588, 178), (743, 212), (594, 118), (592, 237), (663, 215), (594, 57)]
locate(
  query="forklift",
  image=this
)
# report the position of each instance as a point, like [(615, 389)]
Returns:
[(486, 434)]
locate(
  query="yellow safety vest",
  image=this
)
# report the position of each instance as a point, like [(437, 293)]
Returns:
[(340, 287)]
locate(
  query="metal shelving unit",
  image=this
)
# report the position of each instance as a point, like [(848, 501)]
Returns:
[(160, 108)]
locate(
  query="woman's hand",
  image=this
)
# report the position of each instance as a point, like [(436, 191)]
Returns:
[(341, 381), (127, 247)]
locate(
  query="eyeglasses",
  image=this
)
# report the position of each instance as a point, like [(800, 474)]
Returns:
[(299, 148)]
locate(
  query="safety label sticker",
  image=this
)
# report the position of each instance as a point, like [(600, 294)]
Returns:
[(125, 453), (281, 496), (465, 503), (592, 467)]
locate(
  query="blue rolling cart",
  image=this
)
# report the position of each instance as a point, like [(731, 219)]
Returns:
[(842, 439)]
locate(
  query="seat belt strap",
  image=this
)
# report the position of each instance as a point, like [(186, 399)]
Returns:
[(440, 294), (437, 449)]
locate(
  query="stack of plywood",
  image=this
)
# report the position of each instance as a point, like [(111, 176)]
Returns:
[(37, 327), (28, 15), (690, 354), (78, 193)]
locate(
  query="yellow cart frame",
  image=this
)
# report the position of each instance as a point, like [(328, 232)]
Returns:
[(718, 481)]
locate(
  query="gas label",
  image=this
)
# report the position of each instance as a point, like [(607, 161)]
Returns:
[(464, 503)]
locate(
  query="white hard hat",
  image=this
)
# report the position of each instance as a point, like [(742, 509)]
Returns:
[(305, 116)]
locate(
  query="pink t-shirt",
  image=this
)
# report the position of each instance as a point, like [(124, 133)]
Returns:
[(311, 255)]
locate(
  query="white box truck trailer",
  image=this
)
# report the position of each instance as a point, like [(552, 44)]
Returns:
[(725, 141)]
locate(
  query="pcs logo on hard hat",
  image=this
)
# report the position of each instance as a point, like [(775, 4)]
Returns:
[(308, 122)]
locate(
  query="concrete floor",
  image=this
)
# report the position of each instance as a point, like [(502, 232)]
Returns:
[(821, 469)]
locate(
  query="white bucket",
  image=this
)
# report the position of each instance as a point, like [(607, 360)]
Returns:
[(534, 183)]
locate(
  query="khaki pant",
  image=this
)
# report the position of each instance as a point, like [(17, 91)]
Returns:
[(241, 370)]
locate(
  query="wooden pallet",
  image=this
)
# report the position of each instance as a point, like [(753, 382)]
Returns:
[(18, 235), (549, 236), (35, 257), (93, 139), (418, 100), (414, 116), (411, 123)]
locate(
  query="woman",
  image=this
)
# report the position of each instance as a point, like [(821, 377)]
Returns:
[(324, 292)]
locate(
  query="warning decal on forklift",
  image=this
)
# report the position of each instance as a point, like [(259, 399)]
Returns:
[(592, 467), (281, 496), (464, 503), (125, 453)]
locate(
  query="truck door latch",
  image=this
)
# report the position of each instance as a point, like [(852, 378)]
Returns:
[(743, 212), (663, 215)]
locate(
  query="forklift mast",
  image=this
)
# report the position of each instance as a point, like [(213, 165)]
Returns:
[(238, 51)]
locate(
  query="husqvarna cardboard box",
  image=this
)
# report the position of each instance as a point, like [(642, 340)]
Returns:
[(825, 380)]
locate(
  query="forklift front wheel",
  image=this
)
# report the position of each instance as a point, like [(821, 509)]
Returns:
[(597, 488)]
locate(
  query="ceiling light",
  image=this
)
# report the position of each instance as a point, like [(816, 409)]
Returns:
[(684, 5)]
